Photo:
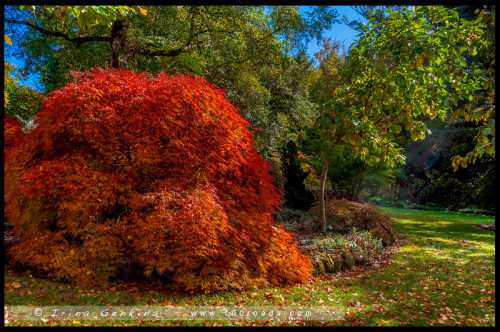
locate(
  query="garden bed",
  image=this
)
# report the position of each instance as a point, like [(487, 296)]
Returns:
[(334, 253)]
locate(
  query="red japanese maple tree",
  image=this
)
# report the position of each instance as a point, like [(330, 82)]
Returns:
[(159, 173), (13, 134)]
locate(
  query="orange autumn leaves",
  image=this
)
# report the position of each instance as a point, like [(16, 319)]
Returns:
[(155, 173), (13, 134)]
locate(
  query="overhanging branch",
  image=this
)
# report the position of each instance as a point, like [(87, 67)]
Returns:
[(76, 40), (133, 50)]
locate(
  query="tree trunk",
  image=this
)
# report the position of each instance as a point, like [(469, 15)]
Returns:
[(322, 203), (118, 43)]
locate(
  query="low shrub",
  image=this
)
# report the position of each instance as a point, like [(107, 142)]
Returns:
[(343, 215)]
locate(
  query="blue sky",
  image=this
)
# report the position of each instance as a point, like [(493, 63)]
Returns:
[(339, 32)]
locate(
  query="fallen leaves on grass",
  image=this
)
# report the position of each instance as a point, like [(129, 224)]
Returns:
[(427, 280)]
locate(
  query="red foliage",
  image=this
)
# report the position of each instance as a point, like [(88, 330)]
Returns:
[(13, 138), (160, 173), (13, 134)]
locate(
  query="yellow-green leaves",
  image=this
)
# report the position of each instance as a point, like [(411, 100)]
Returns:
[(427, 74), (143, 11), (484, 147), (9, 83), (86, 18), (7, 39)]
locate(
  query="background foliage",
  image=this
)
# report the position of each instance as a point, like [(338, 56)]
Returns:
[(413, 72)]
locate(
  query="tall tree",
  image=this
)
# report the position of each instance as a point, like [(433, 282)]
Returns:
[(408, 66)]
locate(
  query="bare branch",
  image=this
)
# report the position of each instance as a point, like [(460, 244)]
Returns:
[(77, 40)]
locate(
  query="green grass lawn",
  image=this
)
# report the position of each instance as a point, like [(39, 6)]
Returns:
[(443, 274), (432, 215)]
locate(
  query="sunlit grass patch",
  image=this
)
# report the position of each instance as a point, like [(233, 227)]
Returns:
[(436, 215)]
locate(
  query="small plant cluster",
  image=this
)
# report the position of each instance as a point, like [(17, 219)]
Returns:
[(158, 175), (337, 252)]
